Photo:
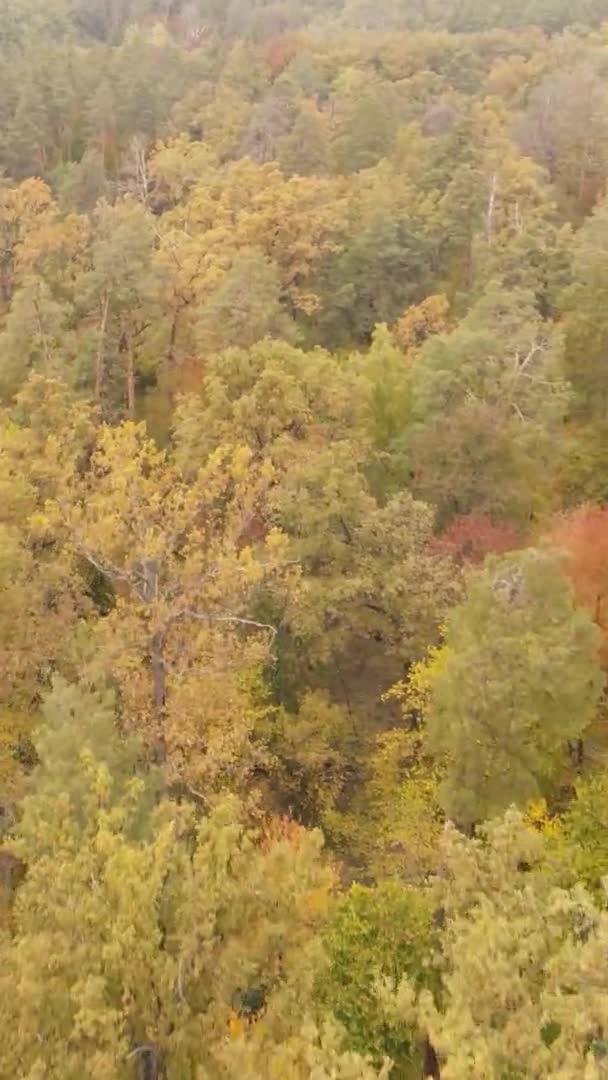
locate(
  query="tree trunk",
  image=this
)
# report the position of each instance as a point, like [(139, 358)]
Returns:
[(100, 366), (491, 209), (430, 1063), (159, 690), (130, 384)]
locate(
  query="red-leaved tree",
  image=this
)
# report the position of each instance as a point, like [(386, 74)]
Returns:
[(583, 535), (471, 537)]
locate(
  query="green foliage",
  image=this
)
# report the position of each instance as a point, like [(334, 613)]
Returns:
[(79, 725), (586, 325), (393, 827), (381, 932), (164, 900), (522, 983), (246, 307), (499, 378), (520, 680), (302, 315), (583, 828)]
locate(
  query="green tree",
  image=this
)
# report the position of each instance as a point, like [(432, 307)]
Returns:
[(522, 985), (43, 598), (182, 945), (365, 122), (373, 593), (118, 296), (488, 401), (245, 308), (384, 931), (305, 151), (521, 680), (586, 323)]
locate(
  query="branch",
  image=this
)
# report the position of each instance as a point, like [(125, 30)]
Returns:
[(535, 348), (347, 533), (205, 616), (106, 569), (179, 985), (145, 1048)]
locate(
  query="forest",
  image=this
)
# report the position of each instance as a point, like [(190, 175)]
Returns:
[(304, 539)]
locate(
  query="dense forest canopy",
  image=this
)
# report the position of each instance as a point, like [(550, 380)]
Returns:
[(303, 539)]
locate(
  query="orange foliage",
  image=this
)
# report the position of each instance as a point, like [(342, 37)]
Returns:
[(583, 535), (422, 321), (283, 830)]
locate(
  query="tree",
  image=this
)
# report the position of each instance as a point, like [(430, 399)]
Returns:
[(383, 267), (36, 338), (421, 321), (245, 308), (387, 413), (372, 590), (583, 535), (80, 185), (187, 562), (43, 597), (521, 680), (391, 829), (374, 594), (305, 151), (522, 985), (503, 354), (365, 120), (586, 326), (385, 259), (274, 398), (270, 122), (499, 378), (581, 833), (23, 210), (118, 293), (565, 130), (128, 908), (386, 932), (472, 537), (293, 223)]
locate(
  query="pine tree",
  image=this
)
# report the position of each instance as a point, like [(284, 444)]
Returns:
[(521, 680)]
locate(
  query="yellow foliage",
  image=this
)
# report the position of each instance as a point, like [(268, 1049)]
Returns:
[(316, 903), (414, 692), (13, 727), (421, 321), (236, 1027), (539, 818)]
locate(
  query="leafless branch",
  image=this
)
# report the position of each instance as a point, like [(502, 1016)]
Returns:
[(237, 620), (179, 985)]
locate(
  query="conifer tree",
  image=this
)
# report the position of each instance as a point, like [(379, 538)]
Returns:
[(521, 680)]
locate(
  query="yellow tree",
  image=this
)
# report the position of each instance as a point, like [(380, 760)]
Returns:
[(23, 210), (42, 596), (292, 223), (187, 562)]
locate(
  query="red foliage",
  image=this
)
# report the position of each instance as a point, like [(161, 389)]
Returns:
[(471, 537), (583, 535), (279, 51)]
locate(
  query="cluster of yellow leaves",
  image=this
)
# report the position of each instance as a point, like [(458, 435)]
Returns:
[(413, 693), (421, 321)]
